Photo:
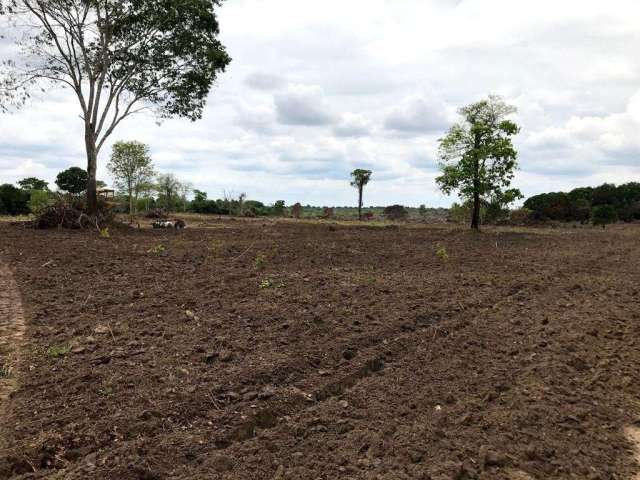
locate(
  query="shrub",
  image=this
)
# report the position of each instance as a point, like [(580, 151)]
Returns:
[(38, 200), (261, 261), (442, 254), (13, 201), (521, 216), (395, 212), (603, 215)]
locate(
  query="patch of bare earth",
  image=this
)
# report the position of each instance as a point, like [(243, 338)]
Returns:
[(11, 333), (633, 434), (261, 350)]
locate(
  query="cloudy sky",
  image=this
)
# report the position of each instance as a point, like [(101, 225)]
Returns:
[(317, 89)]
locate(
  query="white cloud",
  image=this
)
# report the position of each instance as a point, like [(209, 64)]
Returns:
[(419, 114), (303, 105), (352, 125)]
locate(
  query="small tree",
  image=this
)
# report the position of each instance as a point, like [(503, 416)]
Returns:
[(478, 158), (145, 189), (130, 166), (360, 178), (184, 189), (167, 186), (72, 180), (278, 208), (422, 211), (33, 183), (603, 215)]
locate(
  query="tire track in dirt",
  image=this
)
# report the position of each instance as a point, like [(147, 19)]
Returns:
[(12, 327)]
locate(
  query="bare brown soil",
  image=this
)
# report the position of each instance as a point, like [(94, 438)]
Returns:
[(283, 350), (12, 328)]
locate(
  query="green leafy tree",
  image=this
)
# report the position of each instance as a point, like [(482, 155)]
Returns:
[(478, 159), (359, 178), (13, 201), (72, 180), (422, 211), (278, 208), (33, 183), (603, 215), (130, 166), (168, 186), (119, 58)]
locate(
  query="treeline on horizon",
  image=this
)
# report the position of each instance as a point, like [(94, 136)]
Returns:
[(579, 205)]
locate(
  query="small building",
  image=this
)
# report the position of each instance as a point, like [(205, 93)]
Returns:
[(106, 193)]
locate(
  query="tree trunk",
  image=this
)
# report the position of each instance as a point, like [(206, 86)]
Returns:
[(475, 219), (92, 160), (360, 203)]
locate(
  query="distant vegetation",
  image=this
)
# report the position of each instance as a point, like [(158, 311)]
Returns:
[(584, 204)]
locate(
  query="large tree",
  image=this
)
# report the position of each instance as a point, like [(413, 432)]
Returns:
[(72, 180), (359, 178), (33, 183), (120, 57), (478, 159), (130, 166)]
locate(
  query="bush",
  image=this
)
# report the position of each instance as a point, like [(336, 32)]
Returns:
[(521, 216), (395, 212), (13, 201), (459, 213), (603, 215), (39, 199)]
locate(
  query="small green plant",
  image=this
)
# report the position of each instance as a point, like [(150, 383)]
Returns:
[(157, 249), (215, 247), (266, 283), (260, 261), (104, 233), (57, 351), (5, 371), (442, 254), (105, 390)]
